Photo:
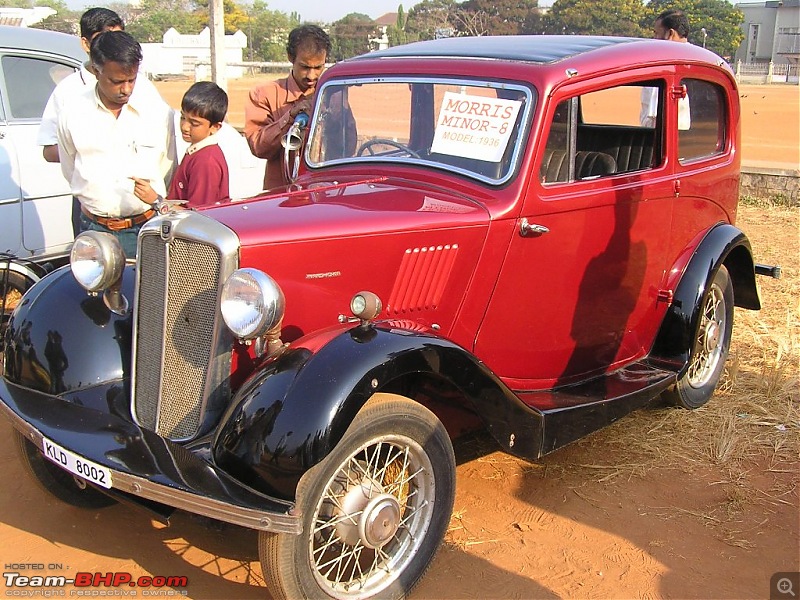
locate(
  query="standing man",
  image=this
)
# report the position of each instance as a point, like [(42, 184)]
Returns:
[(93, 22), (272, 107), (671, 25), (116, 143)]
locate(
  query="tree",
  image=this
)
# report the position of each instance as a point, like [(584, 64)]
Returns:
[(498, 17), (65, 20), (429, 17), (597, 17), (397, 32), (721, 20), (351, 35)]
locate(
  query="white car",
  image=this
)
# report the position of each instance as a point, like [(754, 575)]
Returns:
[(35, 200)]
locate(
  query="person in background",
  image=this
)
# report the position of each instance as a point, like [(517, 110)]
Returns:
[(93, 22), (116, 144), (671, 25), (202, 177), (272, 107)]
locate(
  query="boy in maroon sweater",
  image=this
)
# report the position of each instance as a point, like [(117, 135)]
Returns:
[(202, 177)]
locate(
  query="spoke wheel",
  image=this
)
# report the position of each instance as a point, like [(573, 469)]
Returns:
[(56, 481), (711, 344), (375, 510)]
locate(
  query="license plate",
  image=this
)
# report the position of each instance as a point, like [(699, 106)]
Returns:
[(76, 464)]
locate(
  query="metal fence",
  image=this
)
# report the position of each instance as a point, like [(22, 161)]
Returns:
[(767, 72)]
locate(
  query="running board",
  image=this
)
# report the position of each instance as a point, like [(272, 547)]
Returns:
[(572, 412)]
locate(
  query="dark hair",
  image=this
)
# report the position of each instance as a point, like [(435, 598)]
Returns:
[(118, 47), (207, 100), (675, 19), (97, 20), (308, 36)]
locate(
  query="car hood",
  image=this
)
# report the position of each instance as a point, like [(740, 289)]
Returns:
[(347, 207)]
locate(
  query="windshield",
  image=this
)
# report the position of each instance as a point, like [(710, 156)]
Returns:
[(470, 127)]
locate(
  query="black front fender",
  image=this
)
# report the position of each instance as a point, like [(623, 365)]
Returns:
[(290, 415), (62, 341), (724, 244)]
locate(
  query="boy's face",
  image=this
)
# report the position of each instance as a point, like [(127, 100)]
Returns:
[(195, 128)]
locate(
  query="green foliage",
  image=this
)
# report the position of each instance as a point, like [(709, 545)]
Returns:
[(495, 17), (351, 35), (721, 20), (428, 16), (65, 20), (597, 17), (397, 32)]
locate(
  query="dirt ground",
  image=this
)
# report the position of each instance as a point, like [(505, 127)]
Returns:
[(663, 504)]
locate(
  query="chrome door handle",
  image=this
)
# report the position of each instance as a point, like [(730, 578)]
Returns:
[(526, 228)]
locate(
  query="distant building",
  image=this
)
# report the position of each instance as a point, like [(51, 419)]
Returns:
[(772, 32), (383, 23), (190, 55), (25, 17)]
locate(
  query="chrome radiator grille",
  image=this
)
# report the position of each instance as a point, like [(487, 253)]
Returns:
[(182, 354)]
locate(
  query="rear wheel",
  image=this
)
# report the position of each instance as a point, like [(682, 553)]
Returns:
[(711, 344), (374, 511), (57, 481)]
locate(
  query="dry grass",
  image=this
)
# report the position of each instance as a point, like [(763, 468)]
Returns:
[(751, 426)]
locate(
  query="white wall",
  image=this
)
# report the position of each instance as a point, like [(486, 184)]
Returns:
[(178, 54)]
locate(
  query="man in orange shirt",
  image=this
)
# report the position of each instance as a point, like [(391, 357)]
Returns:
[(272, 107)]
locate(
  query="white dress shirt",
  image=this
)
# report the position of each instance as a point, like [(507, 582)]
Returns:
[(70, 86), (100, 152)]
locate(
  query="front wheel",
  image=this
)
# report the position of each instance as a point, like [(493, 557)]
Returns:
[(711, 344), (374, 510)]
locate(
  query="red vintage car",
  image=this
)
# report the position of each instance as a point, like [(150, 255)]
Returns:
[(534, 235)]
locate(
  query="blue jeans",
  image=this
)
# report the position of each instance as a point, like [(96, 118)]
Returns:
[(126, 237)]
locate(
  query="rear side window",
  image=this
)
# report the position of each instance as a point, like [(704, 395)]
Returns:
[(705, 117), (29, 83)]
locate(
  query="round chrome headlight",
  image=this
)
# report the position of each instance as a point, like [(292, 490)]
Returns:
[(97, 260), (252, 303)]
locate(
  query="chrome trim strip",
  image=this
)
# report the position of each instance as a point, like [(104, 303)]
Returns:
[(525, 119), (193, 227), (207, 507)]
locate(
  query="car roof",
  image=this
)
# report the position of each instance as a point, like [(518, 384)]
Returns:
[(40, 40), (549, 49), (528, 48)]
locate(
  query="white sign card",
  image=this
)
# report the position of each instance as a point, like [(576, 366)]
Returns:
[(474, 126)]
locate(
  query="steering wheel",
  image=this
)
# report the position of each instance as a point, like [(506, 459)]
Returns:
[(367, 146)]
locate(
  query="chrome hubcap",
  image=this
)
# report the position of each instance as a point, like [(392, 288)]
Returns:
[(708, 346), (379, 521)]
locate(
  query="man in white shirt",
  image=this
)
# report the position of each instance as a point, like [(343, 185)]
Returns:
[(116, 143), (671, 25), (93, 22)]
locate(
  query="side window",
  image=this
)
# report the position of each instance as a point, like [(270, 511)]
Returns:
[(702, 118), (29, 83), (606, 132)]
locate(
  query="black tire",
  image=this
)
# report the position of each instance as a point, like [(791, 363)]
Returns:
[(374, 511), (55, 480), (712, 341)]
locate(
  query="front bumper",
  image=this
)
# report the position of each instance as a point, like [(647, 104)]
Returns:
[(142, 463)]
